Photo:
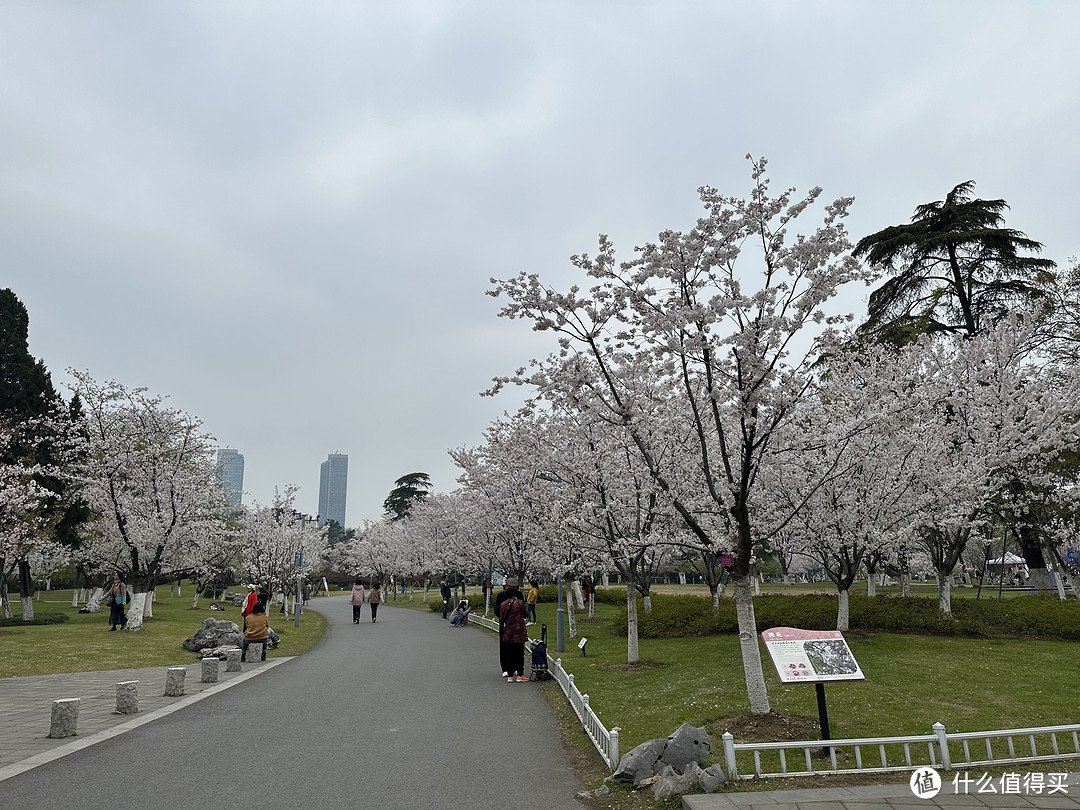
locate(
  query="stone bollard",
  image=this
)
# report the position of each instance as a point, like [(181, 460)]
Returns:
[(127, 697), (209, 670), (65, 718), (233, 659), (174, 681)]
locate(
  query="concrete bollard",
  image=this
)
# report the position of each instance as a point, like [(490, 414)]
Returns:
[(127, 697), (174, 681), (209, 670), (232, 658), (65, 718)]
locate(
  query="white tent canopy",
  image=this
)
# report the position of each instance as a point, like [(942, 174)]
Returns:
[(1008, 559)]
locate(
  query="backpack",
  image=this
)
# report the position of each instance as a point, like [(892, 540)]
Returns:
[(539, 657)]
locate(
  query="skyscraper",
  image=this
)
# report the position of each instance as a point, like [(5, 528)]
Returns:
[(231, 466), (333, 482)]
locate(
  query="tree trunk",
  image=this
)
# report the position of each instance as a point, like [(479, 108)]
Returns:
[(579, 598), (26, 591), (136, 605), (843, 612), (631, 625), (592, 603), (748, 643), (714, 593), (195, 600), (647, 600), (148, 605), (1037, 570), (944, 591), (93, 599), (871, 586), (905, 584), (571, 617)]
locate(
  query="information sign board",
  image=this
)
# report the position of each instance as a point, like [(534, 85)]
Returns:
[(811, 656)]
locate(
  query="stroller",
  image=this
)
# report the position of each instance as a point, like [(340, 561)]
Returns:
[(539, 658)]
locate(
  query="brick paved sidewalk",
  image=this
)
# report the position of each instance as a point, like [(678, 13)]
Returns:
[(26, 707)]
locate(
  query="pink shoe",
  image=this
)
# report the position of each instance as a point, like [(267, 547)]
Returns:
[(522, 679), (509, 678)]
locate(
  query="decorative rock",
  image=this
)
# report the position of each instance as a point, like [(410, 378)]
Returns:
[(65, 718), (233, 657), (174, 681), (688, 744), (209, 670), (669, 783), (712, 778), (127, 697), (214, 633)]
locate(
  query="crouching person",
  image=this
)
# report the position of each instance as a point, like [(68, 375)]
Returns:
[(460, 615), (256, 630)]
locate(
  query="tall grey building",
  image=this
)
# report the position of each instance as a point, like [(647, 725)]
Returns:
[(333, 482), (231, 466)]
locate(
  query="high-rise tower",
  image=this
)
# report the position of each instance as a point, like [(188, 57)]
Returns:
[(231, 466), (333, 483)]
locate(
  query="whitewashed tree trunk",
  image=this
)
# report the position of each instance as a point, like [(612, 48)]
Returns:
[(944, 590), (631, 625), (648, 603), (592, 604), (75, 594), (195, 600), (871, 586), (27, 608), (6, 603), (757, 586), (748, 642), (93, 601), (905, 583), (148, 606), (571, 614), (137, 603), (716, 599), (843, 612), (579, 596)]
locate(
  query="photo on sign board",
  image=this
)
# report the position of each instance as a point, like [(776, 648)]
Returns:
[(830, 657)]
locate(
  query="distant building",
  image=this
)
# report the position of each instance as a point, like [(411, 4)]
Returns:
[(231, 466), (333, 483)]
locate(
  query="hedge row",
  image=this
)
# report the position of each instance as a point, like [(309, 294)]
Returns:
[(1035, 617)]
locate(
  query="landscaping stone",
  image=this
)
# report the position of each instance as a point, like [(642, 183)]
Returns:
[(233, 658), (65, 718), (210, 670), (127, 697), (712, 778), (671, 783), (687, 745), (214, 633)]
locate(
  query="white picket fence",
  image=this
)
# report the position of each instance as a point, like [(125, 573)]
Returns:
[(903, 753), (605, 740)]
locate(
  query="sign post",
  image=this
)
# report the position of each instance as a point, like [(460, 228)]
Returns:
[(812, 656)]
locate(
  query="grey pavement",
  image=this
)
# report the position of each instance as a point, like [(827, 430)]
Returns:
[(403, 713)]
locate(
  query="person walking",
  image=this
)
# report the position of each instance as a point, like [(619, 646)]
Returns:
[(116, 598), (357, 600), (256, 631), (444, 589), (512, 632), (530, 600), (375, 599)]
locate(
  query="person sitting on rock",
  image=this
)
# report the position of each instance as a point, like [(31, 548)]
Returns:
[(460, 614), (256, 630)]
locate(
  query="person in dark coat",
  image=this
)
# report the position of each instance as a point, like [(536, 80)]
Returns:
[(512, 631), (444, 589)]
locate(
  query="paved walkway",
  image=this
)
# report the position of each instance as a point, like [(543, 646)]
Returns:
[(26, 708), (406, 713)]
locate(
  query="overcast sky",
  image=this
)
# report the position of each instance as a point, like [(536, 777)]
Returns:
[(284, 215)]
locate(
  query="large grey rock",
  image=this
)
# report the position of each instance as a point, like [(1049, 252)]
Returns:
[(640, 762), (214, 633), (712, 778), (669, 783), (688, 744)]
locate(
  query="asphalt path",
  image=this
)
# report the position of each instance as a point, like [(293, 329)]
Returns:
[(403, 713)]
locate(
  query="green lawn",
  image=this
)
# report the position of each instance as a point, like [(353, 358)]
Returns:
[(85, 644)]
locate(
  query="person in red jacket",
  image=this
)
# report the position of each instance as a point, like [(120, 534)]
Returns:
[(249, 602)]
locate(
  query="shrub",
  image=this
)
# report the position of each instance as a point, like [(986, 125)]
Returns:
[(1042, 617), (39, 618)]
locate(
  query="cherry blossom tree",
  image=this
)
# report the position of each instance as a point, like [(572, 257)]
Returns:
[(731, 350), (150, 478)]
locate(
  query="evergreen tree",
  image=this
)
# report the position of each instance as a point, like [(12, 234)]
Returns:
[(408, 490), (954, 268)]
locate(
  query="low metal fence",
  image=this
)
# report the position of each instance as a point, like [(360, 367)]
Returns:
[(940, 749)]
